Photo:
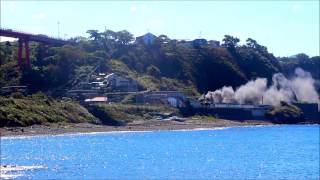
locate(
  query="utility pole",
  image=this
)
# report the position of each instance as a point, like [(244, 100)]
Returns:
[(58, 29)]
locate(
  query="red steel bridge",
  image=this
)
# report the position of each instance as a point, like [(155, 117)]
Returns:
[(24, 39)]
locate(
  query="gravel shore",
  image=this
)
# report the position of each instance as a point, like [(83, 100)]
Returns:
[(54, 129)]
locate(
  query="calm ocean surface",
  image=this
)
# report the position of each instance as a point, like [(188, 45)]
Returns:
[(268, 152)]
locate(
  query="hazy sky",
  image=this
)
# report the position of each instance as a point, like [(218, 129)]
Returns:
[(285, 27)]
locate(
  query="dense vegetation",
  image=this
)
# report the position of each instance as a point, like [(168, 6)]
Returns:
[(164, 65), (311, 65), (40, 109)]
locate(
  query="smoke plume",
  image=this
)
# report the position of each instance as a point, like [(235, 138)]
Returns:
[(299, 88)]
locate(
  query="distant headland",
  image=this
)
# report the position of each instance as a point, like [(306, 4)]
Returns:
[(112, 79)]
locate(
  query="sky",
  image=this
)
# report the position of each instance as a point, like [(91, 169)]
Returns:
[(285, 27)]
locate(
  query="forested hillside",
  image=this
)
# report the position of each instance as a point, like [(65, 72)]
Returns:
[(163, 65)]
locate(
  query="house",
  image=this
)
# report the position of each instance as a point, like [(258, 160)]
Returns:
[(231, 110), (199, 42), (171, 98), (119, 83), (195, 103), (146, 39), (214, 44), (193, 43), (185, 43), (97, 85)]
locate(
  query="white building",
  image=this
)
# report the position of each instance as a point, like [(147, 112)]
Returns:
[(120, 83)]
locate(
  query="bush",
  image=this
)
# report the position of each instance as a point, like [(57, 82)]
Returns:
[(285, 114), (153, 71), (107, 116), (40, 109), (120, 114)]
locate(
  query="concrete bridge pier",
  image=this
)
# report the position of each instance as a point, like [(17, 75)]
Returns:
[(20, 52), (24, 42)]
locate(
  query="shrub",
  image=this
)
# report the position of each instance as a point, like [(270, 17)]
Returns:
[(285, 114), (40, 109)]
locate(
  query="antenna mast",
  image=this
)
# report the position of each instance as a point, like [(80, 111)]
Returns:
[(58, 29)]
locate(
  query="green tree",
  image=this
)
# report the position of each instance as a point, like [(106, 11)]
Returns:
[(94, 35), (123, 37), (251, 43), (302, 57), (230, 41), (6, 51), (153, 71)]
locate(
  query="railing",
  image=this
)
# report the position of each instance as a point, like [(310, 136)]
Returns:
[(31, 34)]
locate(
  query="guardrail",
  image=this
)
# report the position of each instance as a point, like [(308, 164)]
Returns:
[(8, 30)]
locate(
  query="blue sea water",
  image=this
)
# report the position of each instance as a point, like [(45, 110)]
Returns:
[(267, 152)]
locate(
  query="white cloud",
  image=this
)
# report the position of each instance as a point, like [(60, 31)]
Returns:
[(12, 5), (39, 16), (155, 24), (138, 8), (133, 8), (296, 8), (143, 7)]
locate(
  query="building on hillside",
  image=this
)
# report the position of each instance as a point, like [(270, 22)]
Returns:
[(96, 100), (231, 110), (118, 83), (199, 42), (195, 103), (146, 39), (214, 44), (171, 98), (97, 85), (185, 43)]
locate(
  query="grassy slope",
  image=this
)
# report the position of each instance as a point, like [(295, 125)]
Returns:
[(26, 111), (39, 109), (120, 114)]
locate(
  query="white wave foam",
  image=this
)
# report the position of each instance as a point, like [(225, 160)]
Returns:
[(13, 171), (124, 132), (7, 168), (9, 176), (69, 134), (202, 129)]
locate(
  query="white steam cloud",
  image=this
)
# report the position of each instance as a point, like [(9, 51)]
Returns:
[(298, 88)]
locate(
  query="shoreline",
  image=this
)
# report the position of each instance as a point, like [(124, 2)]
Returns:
[(151, 125), (143, 126)]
